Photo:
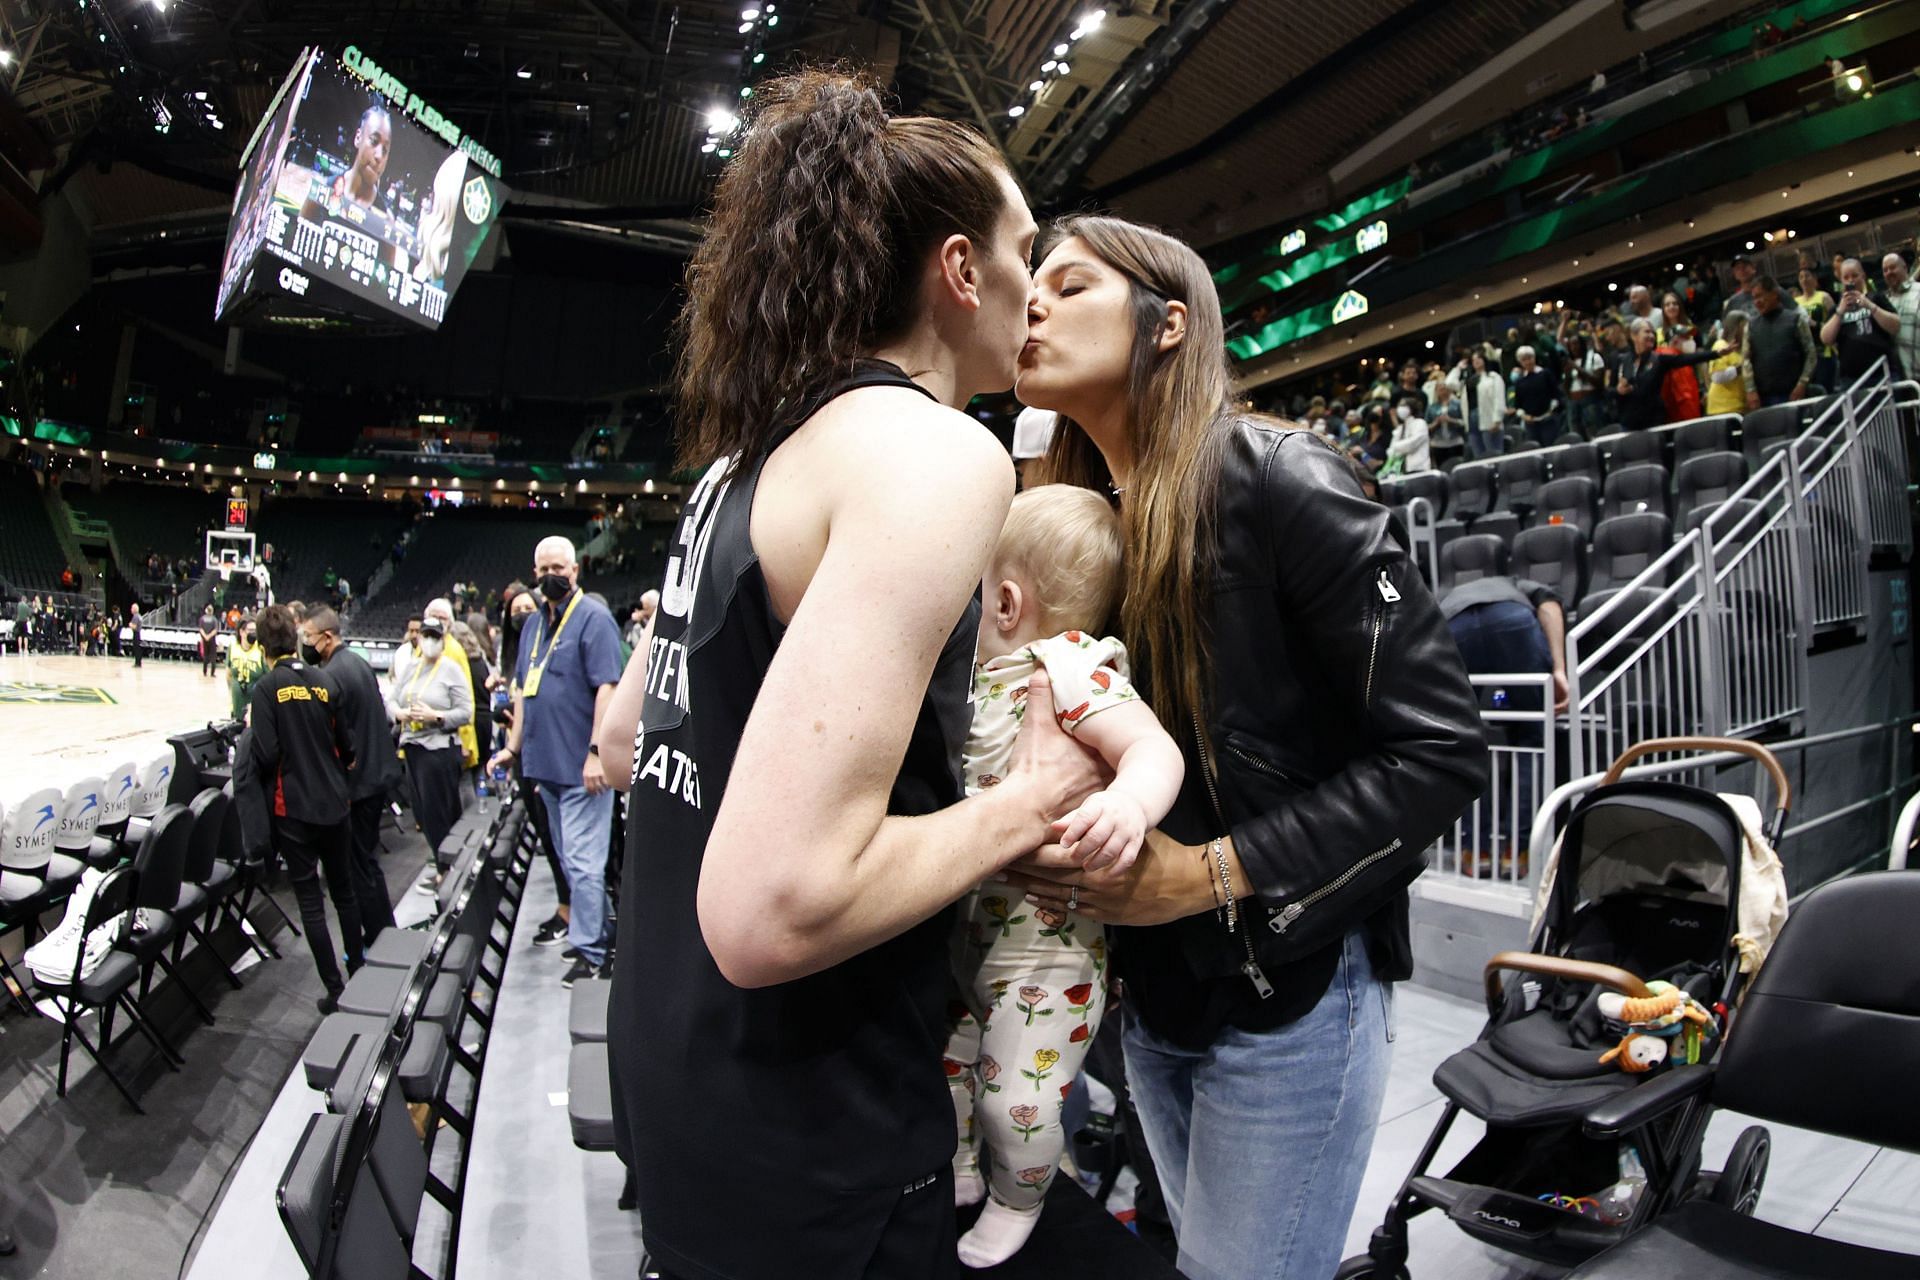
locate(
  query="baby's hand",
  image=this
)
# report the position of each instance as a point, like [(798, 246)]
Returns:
[(1105, 832)]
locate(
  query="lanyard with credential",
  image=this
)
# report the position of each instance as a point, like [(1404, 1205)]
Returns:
[(536, 664)]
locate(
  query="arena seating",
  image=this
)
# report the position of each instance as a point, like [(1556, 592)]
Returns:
[(30, 555), (169, 520), (311, 535), (489, 548)]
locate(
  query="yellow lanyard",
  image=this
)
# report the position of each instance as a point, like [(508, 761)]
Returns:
[(537, 664)]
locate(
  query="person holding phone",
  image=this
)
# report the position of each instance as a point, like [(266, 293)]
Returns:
[(1862, 326)]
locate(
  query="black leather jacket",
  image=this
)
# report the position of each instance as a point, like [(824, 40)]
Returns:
[(1345, 738)]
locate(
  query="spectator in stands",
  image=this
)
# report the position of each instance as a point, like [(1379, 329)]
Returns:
[(1639, 375), (568, 665), (1745, 274), (1639, 304), (1411, 440), (1677, 329), (245, 663), (1863, 326), (430, 705), (1409, 390), (1726, 380), (299, 752), (1484, 393), (1817, 303), (1536, 396), (133, 625), (1778, 355), (1905, 297), (1585, 372), (406, 653), (641, 630), (442, 609), (1371, 451), (363, 710)]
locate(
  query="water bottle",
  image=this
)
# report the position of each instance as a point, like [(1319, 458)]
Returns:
[(1499, 699)]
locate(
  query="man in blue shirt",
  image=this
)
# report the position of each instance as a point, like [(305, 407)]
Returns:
[(568, 664)]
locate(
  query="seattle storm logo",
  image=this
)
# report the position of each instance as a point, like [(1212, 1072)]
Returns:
[(477, 200)]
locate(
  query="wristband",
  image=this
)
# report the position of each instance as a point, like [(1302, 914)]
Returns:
[(1219, 849)]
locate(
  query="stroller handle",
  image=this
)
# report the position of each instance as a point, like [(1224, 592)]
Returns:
[(1605, 975), (1782, 789)]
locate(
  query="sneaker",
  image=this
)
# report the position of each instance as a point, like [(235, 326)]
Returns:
[(329, 1002), (581, 969), (429, 882), (571, 953), (549, 933)]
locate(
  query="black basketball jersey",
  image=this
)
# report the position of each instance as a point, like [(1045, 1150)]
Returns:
[(771, 1132)]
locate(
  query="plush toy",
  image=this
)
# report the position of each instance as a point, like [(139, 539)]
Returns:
[(1665, 1012)]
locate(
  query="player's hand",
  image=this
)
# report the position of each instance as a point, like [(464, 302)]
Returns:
[(1059, 771), (593, 776), (1105, 832)]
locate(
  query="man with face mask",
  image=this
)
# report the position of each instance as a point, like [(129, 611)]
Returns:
[(430, 705), (568, 665), (407, 653), (375, 768)]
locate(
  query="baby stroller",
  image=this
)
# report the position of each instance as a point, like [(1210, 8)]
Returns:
[(1645, 886)]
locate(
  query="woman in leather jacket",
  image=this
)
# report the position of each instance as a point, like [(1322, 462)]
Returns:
[(1330, 735)]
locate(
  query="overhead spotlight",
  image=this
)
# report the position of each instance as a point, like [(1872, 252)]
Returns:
[(199, 95), (1679, 266), (1855, 83), (1791, 233), (1036, 86), (725, 152), (759, 58), (746, 91), (1048, 65), (1060, 51), (750, 15), (721, 120), (1063, 69), (6, 57), (1844, 217), (745, 27), (1764, 235), (1613, 286), (217, 122), (1016, 111), (773, 19), (1429, 344), (1849, 173), (1629, 244), (707, 149), (1093, 20), (525, 73)]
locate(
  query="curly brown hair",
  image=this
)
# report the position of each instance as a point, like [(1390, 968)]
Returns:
[(811, 257)]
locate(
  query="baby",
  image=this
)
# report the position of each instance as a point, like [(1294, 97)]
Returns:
[(1032, 981)]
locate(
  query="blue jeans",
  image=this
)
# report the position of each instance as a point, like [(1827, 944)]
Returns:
[(1261, 1139), (582, 823)]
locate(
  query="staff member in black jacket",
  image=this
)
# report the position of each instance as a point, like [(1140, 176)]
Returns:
[(1331, 735), (1641, 373), (302, 752), (375, 765)]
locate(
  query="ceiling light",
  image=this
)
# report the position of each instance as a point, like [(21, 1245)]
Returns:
[(773, 20), (1849, 173), (725, 152), (1063, 68), (6, 57), (200, 95), (1060, 51), (1016, 111), (1036, 86), (1093, 20), (1764, 235), (706, 149), (1843, 217), (746, 91), (745, 27), (525, 73), (1613, 286), (1749, 244), (1048, 65), (1791, 233), (1679, 266), (759, 58), (721, 120), (1429, 344), (751, 15), (1855, 83)]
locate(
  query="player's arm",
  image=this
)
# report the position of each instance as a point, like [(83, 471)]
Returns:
[(804, 867), (616, 728), (1108, 829)]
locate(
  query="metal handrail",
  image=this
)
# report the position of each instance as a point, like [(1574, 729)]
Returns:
[(1903, 834)]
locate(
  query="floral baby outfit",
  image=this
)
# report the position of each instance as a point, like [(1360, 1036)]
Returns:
[(1032, 981)]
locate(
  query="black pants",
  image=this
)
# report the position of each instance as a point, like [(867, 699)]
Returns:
[(537, 811), (209, 656), (436, 790), (137, 649), (369, 882), (309, 849)]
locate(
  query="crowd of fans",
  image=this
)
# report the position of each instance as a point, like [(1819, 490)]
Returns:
[(1664, 352)]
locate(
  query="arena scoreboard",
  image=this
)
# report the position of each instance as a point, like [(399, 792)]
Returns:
[(355, 197)]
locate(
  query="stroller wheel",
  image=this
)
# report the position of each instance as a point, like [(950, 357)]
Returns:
[(1361, 1267), (1738, 1186)]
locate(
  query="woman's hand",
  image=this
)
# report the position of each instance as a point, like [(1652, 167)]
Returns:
[(1104, 833), (1169, 882)]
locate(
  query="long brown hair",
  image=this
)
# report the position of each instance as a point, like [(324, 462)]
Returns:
[(1176, 401), (812, 255)]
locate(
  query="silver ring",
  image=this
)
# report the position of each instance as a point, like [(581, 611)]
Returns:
[(1073, 898)]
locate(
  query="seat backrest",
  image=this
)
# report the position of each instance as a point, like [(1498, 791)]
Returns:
[(1553, 555), (155, 779), (80, 811), (1476, 556), (30, 829), (1733, 528), (1762, 427), (1828, 1034), (162, 859), (1430, 485), (1473, 485), (1576, 500), (1577, 460), (1517, 481), (209, 810), (1630, 447), (1708, 478), (1623, 546), (1702, 435), (1640, 487), (1501, 524), (1641, 614), (116, 802)]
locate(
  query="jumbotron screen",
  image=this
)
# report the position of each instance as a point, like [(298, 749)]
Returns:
[(355, 196)]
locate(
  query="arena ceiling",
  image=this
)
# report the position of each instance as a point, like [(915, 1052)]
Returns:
[(1209, 117)]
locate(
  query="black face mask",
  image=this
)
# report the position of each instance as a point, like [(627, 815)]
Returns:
[(554, 587), (310, 655)]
